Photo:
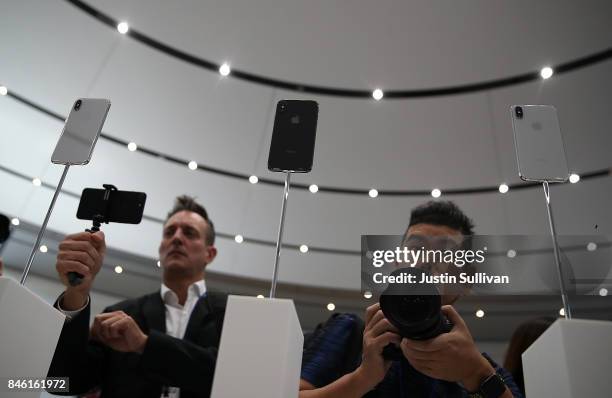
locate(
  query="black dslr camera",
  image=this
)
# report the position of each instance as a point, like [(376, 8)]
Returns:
[(414, 309)]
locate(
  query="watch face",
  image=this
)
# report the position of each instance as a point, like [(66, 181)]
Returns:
[(493, 387)]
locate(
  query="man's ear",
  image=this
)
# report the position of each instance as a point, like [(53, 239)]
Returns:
[(211, 253)]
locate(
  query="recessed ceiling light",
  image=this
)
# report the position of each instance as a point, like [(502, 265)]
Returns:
[(132, 146), (15, 221), (377, 94), (574, 178), (253, 179), (562, 312), (260, 296), (603, 291), (224, 69), (546, 72), (436, 193), (511, 253), (36, 181), (304, 248), (118, 269), (503, 188), (3, 90), (313, 188), (480, 313), (123, 27), (367, 294), (238, 238), (373, 193), (192, 165), (592, 246), (43, 248), (331, 306)]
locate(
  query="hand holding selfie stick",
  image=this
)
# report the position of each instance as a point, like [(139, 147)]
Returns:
[(74, 278)]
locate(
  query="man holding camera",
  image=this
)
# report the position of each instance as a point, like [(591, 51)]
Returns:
[(449, 365), (160, 345)]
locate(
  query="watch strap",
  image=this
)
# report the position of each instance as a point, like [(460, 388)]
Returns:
[(491, 387)]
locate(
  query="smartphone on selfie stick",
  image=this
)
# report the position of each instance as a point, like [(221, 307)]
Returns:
[(105, 206)]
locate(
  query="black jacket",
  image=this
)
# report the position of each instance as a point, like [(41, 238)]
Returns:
[(187, 363)]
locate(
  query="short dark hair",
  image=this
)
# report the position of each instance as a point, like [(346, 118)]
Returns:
[(442, 212), (188, 203)]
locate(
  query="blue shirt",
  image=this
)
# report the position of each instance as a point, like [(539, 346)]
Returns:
[(404, 381), (334, 349)]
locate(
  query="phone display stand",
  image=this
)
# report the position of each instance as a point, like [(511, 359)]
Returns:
[(545, 185), (25, 355), (279, 238), (267, 359), (69, 157), (570, 359), (260, 353), (43, 228), (262, 340), (553, 234), (28, 355)]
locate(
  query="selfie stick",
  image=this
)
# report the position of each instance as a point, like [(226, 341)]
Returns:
[(44, 226), (553, 232), (280, 235), (74, 278)]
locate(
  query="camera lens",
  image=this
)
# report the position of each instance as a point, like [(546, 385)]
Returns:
[(77, 105), (415, 313), (519, 112)]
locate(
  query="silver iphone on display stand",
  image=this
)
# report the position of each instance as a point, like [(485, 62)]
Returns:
[(539, 145), (81, 131)]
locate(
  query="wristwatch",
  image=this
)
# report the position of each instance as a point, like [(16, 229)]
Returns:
[(492, 387)]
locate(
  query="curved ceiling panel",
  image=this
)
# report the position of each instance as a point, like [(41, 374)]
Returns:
[(446, 142), (389, 44)]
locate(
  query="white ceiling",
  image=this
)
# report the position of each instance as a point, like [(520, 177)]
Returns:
[(52, 53)]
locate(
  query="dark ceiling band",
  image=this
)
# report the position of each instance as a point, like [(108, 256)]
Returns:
[(268, 243), (327, 189), (341, 92)]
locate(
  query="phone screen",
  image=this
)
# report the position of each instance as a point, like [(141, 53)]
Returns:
[(81, 131), (539, 145), (293, 136), (123, 207)]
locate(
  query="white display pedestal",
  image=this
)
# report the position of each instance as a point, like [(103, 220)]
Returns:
[(29, 331), (260, 354), (572, 358)]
